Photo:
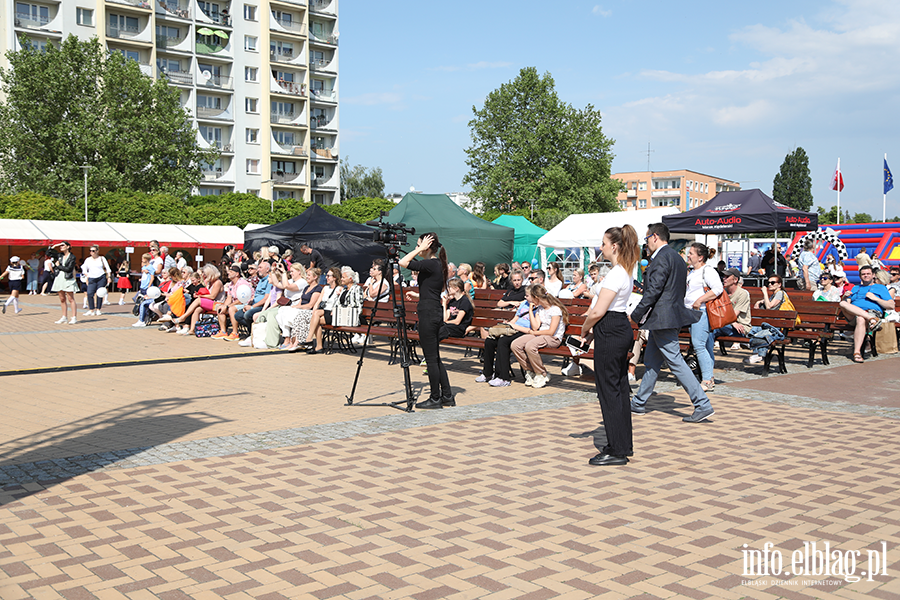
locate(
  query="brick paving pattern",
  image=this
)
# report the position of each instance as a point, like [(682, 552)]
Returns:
[(196, 486)]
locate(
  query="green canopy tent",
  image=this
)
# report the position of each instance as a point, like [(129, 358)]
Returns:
[(465, 237), (527, 236)]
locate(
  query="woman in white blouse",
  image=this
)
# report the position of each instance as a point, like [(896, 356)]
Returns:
[(703, 285), (613, 336)]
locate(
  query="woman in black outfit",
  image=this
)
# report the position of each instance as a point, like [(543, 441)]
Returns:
[(432, 280)]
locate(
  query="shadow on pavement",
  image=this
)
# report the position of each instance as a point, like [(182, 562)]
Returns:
[(59, 453)]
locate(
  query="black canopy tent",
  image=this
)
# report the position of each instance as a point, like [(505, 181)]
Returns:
[(747, 211), (341, 242)]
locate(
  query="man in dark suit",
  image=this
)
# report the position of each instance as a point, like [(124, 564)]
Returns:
[(664, 287)]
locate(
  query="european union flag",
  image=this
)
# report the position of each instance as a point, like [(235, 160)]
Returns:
[(888, 178)]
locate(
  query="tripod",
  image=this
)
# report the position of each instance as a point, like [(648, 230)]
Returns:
[(399, 311)]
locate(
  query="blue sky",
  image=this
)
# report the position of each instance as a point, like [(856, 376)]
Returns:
[(726, 89)]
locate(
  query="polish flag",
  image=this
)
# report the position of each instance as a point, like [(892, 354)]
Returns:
[(837, 182)]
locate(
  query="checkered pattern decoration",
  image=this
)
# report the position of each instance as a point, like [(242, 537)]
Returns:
[(828, 235)]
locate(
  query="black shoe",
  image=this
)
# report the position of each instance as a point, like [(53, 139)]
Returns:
[(313, 351), (451, 401), (607, 460), (430, 403), (699, 415), (638, 410)]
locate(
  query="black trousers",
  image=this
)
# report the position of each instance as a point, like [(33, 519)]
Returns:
[(93, 285), (497, 354), (430, 320), (613, 338)]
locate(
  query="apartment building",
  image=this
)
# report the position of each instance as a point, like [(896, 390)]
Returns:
[(259, 77), (684, 189)]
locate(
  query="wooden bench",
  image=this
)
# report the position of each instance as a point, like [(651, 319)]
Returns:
[(780, 319)]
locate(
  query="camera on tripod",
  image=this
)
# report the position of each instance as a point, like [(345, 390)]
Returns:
[(392, 235)]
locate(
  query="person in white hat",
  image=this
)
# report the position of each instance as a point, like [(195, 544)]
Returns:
[(16, 273)]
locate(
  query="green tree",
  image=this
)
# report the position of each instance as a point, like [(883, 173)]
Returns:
[(527, 145), (793, 184), (360, 182), (79, 105), (862, 218), (360, 210)]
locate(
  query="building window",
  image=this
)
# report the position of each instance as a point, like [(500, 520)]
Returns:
[(283, 195), (252, 136), (251, 105), (253, 166), (251, 74), (643, 204), (253, 192), (250, 43), (642, 186), (249, 12), (318, 198), (84, 16)]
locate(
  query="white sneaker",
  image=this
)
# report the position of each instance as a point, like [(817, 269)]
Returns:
[(756, 358), (89, 313), (165, 317), (529, 378), (497, 382), (61, 321), (185, 330), (18, 310), (121, 301), (735, 346), (481, 379), (139, 324), (72, 321), (573, 369), (245, 343), (96, 313), (540, 381)]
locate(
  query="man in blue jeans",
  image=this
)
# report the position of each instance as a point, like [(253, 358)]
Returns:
[(245, 313), (664, 287)]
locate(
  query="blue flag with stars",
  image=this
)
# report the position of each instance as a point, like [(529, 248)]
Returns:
[(888, 178)]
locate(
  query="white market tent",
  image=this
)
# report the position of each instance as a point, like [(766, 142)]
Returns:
[(31, 232), (586, 230)]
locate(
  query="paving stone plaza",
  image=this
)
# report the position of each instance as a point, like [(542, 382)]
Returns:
[(137, 464)]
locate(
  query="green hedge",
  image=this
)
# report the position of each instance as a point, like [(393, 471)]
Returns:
[(138, 207)]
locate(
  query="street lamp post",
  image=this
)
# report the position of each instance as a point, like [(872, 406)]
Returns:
[(85, 169)]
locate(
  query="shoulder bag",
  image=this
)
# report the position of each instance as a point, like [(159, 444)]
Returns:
[(720, 311)]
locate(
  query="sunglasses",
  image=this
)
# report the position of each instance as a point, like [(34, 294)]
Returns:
[(771, 282), (532, 278)]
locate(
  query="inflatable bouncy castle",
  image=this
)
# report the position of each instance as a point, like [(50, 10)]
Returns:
[(880, 240)]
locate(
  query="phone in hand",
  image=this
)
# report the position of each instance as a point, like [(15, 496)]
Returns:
[(577, 343)]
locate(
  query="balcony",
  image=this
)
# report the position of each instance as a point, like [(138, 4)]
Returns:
[(287, 119), (211, 49), (282, 178), (328, 154), (296, 2), (177, 77), (291, 149), (217, 18), (324, 95), (215, 81), (281, 57), (666, 193), (29, 21), (133, 3), (632, 194), (289, 87), (330, 39), (323, 182), (320, 65), (293, 26), (318, 5), (176, 9), (320, 122), (206, 112), (221, 147)]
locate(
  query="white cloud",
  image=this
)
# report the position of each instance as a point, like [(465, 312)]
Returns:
[(600, 11)]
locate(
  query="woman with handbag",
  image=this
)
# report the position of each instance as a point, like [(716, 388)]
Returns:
[(98, 275), (297, 329), (64, 282), (497, 369), (703, 285), (432, 269)]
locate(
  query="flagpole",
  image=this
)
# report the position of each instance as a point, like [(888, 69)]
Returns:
[(839, 191), (884, 201)]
